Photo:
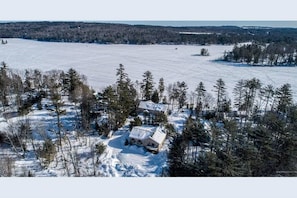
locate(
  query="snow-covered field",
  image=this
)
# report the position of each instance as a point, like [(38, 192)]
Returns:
[(172, 62)]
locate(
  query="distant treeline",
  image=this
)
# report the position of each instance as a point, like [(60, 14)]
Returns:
[(273, 54), (104, 33)]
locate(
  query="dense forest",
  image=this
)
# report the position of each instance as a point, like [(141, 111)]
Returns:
[(257, 139), (104, 33)]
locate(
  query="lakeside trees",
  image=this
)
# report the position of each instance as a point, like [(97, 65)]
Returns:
[(272, 54)]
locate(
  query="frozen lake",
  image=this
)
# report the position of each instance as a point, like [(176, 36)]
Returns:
[(172, 62)]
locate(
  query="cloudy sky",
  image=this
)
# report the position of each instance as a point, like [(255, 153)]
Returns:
[(94, 10)]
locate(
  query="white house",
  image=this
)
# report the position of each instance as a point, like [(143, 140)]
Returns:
[(152, 107), (152, 138)]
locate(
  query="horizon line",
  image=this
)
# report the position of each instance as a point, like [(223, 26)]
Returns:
[(182, 23)]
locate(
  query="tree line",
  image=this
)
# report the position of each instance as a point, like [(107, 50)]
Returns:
[(105, 33), (272, 54)]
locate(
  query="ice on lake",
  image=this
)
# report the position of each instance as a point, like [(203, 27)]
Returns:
[(172, 62)]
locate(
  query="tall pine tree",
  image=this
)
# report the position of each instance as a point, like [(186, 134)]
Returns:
[(126, 96), (147, 86)]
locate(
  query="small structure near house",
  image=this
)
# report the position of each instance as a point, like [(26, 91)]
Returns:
[(152, 138), (152, 107)]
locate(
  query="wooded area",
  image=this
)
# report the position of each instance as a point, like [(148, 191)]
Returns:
[(272, 54), (258, 139), (104, 33)]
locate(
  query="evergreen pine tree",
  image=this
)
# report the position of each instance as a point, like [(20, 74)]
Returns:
[(155, 96), (220, 89), (147, 85), (126, 94), (200, 96), (161, 88), (181, 92), (238, 92), (267, 94), (251, 89), (284, 97), (4, 84)]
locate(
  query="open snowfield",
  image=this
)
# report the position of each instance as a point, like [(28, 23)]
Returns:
[(172, 62)]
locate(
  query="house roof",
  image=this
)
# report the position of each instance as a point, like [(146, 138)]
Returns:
[(158, 136), (149, 105), (143, 132)]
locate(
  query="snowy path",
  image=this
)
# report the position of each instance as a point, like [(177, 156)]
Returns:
[(130, 160)]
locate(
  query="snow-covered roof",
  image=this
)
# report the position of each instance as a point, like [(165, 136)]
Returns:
[(144, 132), (149, 105), (159, 136), (141, 133)]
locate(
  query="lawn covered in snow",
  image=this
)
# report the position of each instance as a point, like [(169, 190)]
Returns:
[(172, 62), (118, 159)]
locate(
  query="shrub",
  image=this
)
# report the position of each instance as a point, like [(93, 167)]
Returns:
[(136, 122), (160, 118), (48, 151), (204, 52), (102, 129), (6, 166), (127, 142), (171, 132), (100, 148)]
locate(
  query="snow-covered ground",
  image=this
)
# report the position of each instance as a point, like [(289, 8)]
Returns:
[(118, 160), (172, 62)]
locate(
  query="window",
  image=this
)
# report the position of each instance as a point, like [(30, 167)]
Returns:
[(139, 142)]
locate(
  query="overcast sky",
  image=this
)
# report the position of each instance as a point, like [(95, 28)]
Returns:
[(96, 10)]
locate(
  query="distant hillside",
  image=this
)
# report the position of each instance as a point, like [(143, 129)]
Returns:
[(105, 33)]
